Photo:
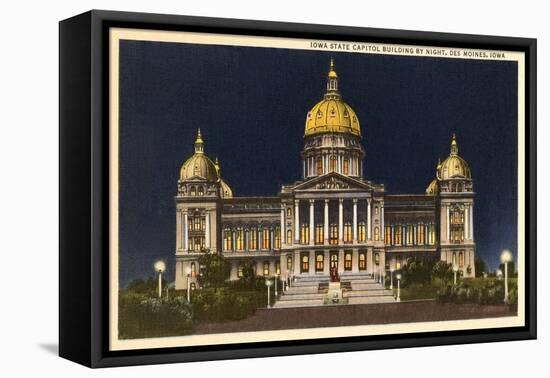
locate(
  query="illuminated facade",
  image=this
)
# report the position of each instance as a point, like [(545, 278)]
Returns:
[(333, 217)]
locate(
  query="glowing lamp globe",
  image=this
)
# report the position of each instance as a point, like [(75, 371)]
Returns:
[(398, 276), (268, 283), (455, 268), (506, 256), (160, 266), (499, 273), (188, 270)]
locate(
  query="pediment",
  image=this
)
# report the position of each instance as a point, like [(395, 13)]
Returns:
[(333, 181)]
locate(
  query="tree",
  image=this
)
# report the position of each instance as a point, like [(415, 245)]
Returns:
[(480, 266), (248, 277), (511, 269), (443, 271), (417, 270), (214, 270)]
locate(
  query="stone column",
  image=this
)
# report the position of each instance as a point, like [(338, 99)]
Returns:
[(179, 230), (326, 262), (271, 238), (185, 231), (311, 222), (233, 240), (341, 220), (369, 221), (282, 229), (471, 221), (381, 220), (326, 232), (207, 231), (355, 221), (297, 221), (297, 263), (448, 220)]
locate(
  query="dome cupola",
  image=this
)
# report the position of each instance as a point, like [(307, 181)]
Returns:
[(454, 166), (199, 167)]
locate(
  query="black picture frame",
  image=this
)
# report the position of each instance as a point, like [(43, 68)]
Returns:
[(84, 189)]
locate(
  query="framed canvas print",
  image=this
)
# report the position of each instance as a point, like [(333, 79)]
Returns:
[(234, 188)]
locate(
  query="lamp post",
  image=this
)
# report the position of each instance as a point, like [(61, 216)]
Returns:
[(188, 273), (391, 278), (398, 277), (505, 258), (455, 271), (160, 267), (276, 279), (268, 283)]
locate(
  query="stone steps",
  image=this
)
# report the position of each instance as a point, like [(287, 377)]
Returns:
[(371, 300), (298, 303), (295, 297), (368, 293)]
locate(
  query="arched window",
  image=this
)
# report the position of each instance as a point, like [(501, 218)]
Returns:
[(227, 239), (277, 238), (377, 258), (410, 234), (457, 225), (346, 166), (461, 259), (193, 191), (266, 268), (376, 233), (305, 263), (253, 239), (289, 237), (333, 234), (289, 263), (193, 270), (266, 238), (333, 260), (431, 233), (239, 236), (454, 259), (397, 235), (278, 268), (289, 212), (347, 261), (332, 163), (319, 262), (362, 261), (361, 232), (319, 165), (347, 232), (200, 191)]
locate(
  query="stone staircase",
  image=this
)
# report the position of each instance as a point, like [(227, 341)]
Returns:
[(310, 291)]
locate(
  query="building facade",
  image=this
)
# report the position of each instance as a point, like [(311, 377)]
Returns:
[(333, 217)]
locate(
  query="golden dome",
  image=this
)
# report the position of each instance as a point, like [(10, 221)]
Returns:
[(332, 114), (433, 188), (225, 190), (199, 166), (454, 166)]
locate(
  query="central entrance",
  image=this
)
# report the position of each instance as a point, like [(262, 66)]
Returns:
[(334, 260)]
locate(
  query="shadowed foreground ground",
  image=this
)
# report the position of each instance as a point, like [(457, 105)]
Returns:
[(334, 316)]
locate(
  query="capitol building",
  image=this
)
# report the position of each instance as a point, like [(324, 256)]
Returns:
[(333, 218)]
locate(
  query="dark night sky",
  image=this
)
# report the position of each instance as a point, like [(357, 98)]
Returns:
[(251, 104)]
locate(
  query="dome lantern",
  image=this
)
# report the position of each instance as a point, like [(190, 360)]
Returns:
[(199, 143)]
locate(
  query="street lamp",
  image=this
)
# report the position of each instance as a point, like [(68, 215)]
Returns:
[(455, 270), (188, 273), (391, 278), (499, 274), (505, 258), (160, 267), (398, 277), (276, 279), (268, 283)]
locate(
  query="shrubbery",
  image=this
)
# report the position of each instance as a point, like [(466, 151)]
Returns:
[(481, 291), (144, 316), (226, 304)]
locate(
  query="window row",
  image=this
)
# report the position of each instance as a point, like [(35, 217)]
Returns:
[(333, 261), (240, 239), (419, 234)]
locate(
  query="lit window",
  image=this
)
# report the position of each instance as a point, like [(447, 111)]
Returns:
[(278, 268), (398, 263), (457, 225), (333, 234), (266, 268), (253, 239), (200, 191), (332, 163), (361, 232), (277, 238), (192, 191), (346, 166), (240, 271), (304, 235), (347, 261), (410, 234), (305, 263), (319, 262), (227, 240), (319, 166), (239, 236), (362, 261), (376, 233), (454, 258), (397, 235), (319, 234), (266, 241), (289, 237), (431, 234), (387, 235), (193, 269), (421, 236), (347, 232), (289, 212), (461, 259), (289, 263)]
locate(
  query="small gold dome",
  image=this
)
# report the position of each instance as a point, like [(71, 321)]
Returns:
[(433, 188), (454, 166), (226, 191), (332, 115), (199, 166)]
